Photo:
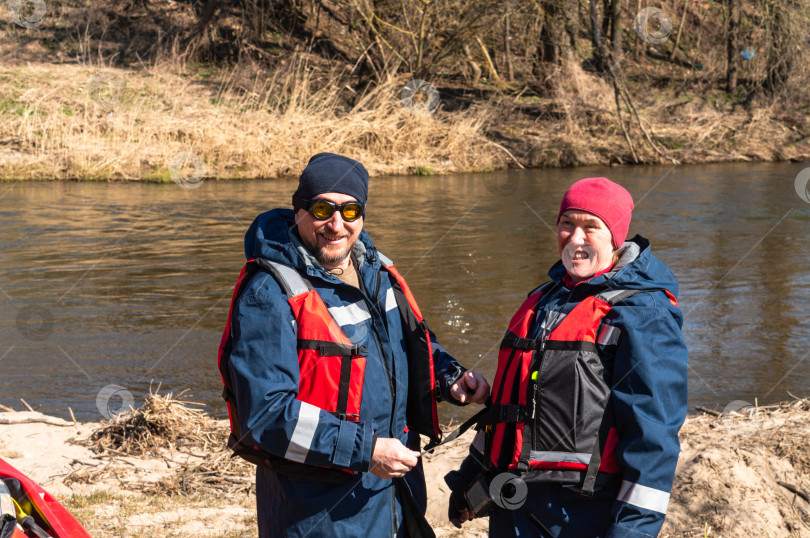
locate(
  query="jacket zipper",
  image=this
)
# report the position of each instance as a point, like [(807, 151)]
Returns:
[(389, 377)]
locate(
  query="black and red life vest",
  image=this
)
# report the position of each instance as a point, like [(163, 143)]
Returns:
[(551, 418), (332, 367)]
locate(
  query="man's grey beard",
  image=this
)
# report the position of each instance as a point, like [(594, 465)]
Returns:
[(325, 258)]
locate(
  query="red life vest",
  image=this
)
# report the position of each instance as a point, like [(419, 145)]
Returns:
[(332, 367), (551, 418)]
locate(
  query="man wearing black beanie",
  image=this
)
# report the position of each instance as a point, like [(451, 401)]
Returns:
[(330, 371)]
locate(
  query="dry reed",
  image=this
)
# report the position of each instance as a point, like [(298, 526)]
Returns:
[(69, 121)]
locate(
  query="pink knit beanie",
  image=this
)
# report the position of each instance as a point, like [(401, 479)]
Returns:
[(607, 200)]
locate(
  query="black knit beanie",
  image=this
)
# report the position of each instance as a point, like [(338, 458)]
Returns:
[(328, 172)]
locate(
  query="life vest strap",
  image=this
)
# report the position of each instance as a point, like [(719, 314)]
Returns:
[(589, 481), (496, 414), (332, 348), (474, 420)]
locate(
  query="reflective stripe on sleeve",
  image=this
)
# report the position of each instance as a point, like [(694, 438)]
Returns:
[(563, 457), (390, 300), (304, 432), (608, 335), (643, 497), (350, 314)]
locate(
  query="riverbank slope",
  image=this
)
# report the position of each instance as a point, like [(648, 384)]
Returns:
[(163, 469), (171, 122), (130, 99)]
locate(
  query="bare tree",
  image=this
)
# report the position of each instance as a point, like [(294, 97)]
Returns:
[(733, 42), (783, 43)]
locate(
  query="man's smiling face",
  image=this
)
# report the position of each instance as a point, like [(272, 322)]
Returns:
[(330, 240)]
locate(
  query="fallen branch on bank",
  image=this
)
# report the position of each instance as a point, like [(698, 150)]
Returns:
[(29, 417)]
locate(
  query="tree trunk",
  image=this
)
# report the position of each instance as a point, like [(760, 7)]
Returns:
[(510, 71), (555, 40), (616, 29), (680, 30), (733, 43), (780, 55), (599, 53)]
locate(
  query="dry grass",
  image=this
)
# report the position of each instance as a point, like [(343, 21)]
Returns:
[(743, 473), (69, 121)]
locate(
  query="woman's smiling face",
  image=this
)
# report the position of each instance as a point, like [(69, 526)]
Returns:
[(584, 243)]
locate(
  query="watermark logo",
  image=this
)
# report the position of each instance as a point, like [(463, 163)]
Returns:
[(501, 184), (27, 13), (113, 400), (357, 333), (420, 97), (106, 89), (187, 170), (35, 323), (508, 491), (653, 25), (734, 415), (802, 185)]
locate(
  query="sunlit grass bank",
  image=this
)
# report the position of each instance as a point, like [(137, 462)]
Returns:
[(178, 121), (71, 121)]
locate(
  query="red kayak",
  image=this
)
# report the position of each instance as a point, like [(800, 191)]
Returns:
[(46, 516)]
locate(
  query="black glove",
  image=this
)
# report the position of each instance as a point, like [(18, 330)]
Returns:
[(456, 507)]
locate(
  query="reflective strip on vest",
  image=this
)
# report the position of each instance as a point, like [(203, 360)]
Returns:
[(291, 278), (385, 260), (390, 300), (610, 295), (350, 314), (301, 440), (563, 457), (479, 441), (643, 497), (550, 322), (608, 335)]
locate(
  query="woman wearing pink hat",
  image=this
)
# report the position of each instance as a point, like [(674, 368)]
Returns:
[(581, 438)]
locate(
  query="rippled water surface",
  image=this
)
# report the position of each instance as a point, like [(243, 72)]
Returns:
[(129, 284)]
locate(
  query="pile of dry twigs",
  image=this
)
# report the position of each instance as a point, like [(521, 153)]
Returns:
[(163, 426), (162, 422)]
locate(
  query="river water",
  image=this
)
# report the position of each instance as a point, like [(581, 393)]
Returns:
[(107, 288)]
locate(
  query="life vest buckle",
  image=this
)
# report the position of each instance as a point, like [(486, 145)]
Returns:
[(516, 342)]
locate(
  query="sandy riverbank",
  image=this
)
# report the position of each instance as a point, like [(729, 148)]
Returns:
[(744, 474)]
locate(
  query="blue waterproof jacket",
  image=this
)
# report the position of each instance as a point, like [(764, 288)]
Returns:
[(265, 376), (649, 398)]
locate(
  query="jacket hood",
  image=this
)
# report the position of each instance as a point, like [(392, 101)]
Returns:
[(636, 269), (272, 236)]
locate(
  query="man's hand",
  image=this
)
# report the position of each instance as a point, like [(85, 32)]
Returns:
[(471, 387), (391, 459)]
